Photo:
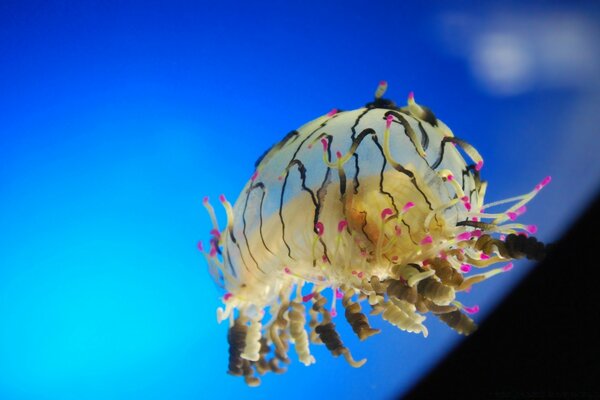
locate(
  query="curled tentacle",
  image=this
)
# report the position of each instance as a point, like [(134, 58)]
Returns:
[(357, 320), (298, 333), (459, 322)]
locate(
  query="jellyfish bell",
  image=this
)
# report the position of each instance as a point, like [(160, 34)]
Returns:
[(377, 204)]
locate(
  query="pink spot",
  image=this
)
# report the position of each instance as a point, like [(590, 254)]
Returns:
[(464, 199), (521, 210), (338, 154), (464, 236), (450, 177), (205, 200), (227, 296), (332, 112), (484, 256), (325, 259), (388, 121), (213, 251), (532, 228), (479, 165), (408, 206), (465, 268), (386, 212), (342, 225), (397, 230), (215, 233), (222, 198), (426, 262), (502, 237), (325, 144), (427, 240), (482, 209), (477, 233), (475, 219), (338, 294), (507, 267), (443, 255), (395, 258), (471, 310), (320, 228), (353, 272), (254, 176), (200, 246), (467, 205), (512, 215), (287, 270), (333, 312), (308, 297), (543, 183), (360, 274), (382, 83), (411, 95)]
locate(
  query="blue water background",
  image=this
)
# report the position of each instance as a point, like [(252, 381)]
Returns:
[(116, 118)]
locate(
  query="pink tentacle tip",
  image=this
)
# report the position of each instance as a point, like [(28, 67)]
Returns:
[(308, 297), (465, 268), (333, 312), (383, 83), (332, 112), (287, 270), (338, 294), (464, 199), (342, 225), (386, 212), (450, 177), (532, 228), (338, 154), (543, 183), (222, 198), (200, 245), (471, 310), (215, 233), (484, 256), (360, 274), (512, 215), (254, 176), (411, 95), (397, 230), (205, 200), (227, 296), (213, 251), (521, 210), (479, 165), (477, 233), (467, 205), (388, 121), (427, 240), (408, 206), (507, 267), (320, 228), (325, 144), (464, 236)]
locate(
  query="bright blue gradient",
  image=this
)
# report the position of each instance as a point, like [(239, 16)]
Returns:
[(115, 121)]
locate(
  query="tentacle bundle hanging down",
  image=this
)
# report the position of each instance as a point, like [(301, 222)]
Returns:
[(376, 204)]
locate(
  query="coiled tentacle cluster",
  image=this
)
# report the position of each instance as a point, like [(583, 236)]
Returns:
[(377, 204)]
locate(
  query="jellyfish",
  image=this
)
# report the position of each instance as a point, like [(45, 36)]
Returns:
[(380, 207)]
